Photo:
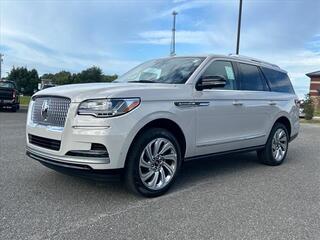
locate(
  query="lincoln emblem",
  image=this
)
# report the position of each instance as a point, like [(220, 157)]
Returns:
[(44, 110)]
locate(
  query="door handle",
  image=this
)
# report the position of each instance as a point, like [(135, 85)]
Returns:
[(236, 103), (272, 103)]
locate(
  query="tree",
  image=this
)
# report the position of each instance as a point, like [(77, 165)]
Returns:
[(93, 74), (47, 76), (60, 78), (109, 78), (26, 81), (308, 107)]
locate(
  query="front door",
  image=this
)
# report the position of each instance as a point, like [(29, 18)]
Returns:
[(223, 119)]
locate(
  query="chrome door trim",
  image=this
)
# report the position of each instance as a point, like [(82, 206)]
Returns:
[(186, 104)]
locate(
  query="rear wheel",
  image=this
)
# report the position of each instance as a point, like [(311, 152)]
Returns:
[(276, 148), (153, 162)]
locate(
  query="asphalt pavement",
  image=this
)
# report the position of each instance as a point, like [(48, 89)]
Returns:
[(229, 197)]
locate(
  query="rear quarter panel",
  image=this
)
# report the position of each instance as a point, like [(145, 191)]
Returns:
[(286, 107)]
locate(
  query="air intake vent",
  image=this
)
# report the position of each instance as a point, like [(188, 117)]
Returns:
[(44, 142)]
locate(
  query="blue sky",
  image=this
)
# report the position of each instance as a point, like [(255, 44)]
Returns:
[(116, 35)]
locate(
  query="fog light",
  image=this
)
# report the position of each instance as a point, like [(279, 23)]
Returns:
[(97, 151)]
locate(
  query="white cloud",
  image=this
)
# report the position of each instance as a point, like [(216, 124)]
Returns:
[(183, 36), (51, 36), (185, 5), (25, 50)]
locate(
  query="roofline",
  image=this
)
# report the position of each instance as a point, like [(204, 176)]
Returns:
[(253, 60), (236, 57)]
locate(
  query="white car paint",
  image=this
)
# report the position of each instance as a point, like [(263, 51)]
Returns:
[(227, 120)]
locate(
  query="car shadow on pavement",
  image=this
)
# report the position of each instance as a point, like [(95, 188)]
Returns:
[(8, 110), (5, 110), (193, 172), (202, 170)]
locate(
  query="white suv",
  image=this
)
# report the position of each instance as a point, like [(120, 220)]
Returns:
[(161, 113)]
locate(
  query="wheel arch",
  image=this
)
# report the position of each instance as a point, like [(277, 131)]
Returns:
[(286, 122), (164, 123)]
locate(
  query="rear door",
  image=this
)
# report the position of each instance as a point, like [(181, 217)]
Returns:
[(258, 104), (283, 95)]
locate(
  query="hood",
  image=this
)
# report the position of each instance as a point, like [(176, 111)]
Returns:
[(146, 91)]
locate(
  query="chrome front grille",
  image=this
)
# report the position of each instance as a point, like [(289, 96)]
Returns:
[(50, 111)]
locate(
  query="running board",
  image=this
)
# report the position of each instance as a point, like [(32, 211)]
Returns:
[(249, 149)]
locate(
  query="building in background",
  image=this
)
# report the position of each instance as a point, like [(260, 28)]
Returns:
[(315, 87)]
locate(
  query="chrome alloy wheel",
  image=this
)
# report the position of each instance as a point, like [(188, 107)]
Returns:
[(279, 144), (158, 163)]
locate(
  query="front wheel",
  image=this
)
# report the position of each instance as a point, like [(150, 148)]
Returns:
[(153, 162), (276, 148)]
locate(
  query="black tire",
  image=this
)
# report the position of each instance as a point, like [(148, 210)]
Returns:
[(266, 155), (14, 108), (132, 175)]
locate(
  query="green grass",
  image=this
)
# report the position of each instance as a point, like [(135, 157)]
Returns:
[(316, 121), (24, 100), (317, 113)]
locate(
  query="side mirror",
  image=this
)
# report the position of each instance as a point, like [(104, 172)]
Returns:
[(208, 82)]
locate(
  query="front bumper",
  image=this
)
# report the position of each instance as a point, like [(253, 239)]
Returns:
[(75, 169), (7, 103), (78, 134), (69, 161)]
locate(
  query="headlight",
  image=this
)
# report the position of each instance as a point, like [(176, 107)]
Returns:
[(108, 107)]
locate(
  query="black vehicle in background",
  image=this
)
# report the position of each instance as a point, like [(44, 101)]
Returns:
[(9, 95)]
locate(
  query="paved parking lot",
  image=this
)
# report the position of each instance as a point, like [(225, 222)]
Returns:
[(231, 197)]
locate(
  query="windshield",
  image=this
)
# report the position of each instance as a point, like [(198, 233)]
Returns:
[(169, 70), (6, 85)]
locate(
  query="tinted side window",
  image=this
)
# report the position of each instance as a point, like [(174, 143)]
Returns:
[(222, 68), (251, 78), (279, 81)]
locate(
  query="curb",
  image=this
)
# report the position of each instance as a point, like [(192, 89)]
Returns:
[(23, 108)]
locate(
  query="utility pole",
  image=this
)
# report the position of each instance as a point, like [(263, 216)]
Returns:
[(173, 39), (239, 27), (1, 60)]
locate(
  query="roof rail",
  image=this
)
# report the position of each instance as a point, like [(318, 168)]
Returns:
[(253, 60)]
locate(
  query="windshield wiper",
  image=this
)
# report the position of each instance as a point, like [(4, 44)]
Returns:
[(142, 81)]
